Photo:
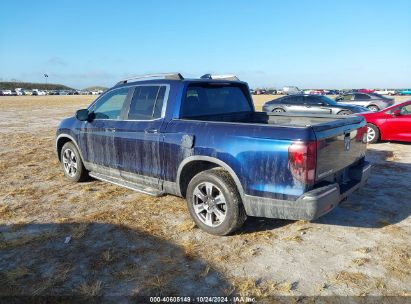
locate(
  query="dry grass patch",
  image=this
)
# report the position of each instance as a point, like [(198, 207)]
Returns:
[(255, 288), (361, 261), (399, 263), (351, 279), (364, 250), (190, 249), (186, 225), (91, 289), (294, 238), (29, 239)]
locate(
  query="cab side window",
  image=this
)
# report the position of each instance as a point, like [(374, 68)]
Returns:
[(110, 105), (147, 102)]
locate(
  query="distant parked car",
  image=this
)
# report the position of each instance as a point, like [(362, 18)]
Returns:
[(405, 92), (392, 123), (313, 104), (386, 92), (317, 92), (19, 91), (291, 90), (365, 91), (36, 92), (332, 92), (371, 101), (6, 92)]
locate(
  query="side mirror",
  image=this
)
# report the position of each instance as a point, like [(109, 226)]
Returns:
[(82, 115), (396, 112)]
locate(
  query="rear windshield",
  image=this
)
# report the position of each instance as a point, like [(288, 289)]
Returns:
[(214, 99)]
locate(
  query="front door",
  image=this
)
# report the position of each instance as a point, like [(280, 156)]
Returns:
[(399, 126), (139, 137), (315, 105), (98, 136)]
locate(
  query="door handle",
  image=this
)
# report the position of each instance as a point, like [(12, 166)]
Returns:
[(150, 131)]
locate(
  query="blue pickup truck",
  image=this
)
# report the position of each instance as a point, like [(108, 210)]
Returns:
[(202, 139)]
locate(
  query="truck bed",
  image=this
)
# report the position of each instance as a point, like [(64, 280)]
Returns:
[(318, 122), (339, 138)]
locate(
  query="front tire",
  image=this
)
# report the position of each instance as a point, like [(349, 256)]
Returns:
[(72, 164), (215, 203), (373, 134)]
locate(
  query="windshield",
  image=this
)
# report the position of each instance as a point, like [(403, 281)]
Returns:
[(328, 100), (213, 99)]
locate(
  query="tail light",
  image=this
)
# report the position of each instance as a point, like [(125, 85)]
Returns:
[(362, 134), (302, 160)]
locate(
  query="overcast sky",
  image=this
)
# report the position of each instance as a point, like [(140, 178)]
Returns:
[(310, 44)]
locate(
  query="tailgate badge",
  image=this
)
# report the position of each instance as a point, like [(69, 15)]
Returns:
[(347, 143)]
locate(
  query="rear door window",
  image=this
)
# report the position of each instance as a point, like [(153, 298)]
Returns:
[(406, 110), (361, 97), (213, 99), (295, 100), (347, 97), (147, 102), (313, 101)]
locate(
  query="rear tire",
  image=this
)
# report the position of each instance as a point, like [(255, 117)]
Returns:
[(215, 203), (373, 108), (72, 164), (278, 110), (373, 134)]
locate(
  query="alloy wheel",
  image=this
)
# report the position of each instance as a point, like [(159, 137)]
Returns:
[(209, 204), (70, 162), (370, 134)]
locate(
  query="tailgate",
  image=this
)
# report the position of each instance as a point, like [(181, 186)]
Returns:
[(340, 143)]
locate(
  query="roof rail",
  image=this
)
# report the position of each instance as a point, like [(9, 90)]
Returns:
[(222, 77), (169, 76)]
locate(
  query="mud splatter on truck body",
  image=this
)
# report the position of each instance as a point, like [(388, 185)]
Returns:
[(167, 130)]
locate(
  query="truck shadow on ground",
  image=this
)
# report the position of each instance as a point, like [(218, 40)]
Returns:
[(383, 201), (100, 259)]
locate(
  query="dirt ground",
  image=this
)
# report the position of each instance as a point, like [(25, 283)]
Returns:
[(121, 242)]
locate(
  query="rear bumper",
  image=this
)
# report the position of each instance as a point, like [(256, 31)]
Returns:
[(311, 204)]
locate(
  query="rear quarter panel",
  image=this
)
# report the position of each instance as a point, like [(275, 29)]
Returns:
[(258, 154)]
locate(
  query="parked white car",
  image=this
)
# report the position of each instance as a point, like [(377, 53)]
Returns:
[(291, 90), (19, 91), (386, 92), (5, 92), (36, 92)]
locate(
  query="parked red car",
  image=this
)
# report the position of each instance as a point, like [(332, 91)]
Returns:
[(365, 91), (392, 123)]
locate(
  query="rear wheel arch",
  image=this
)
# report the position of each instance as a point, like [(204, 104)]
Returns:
[(193, 165), (278, 109), (373, 106), (345, 112), (377, 132)]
